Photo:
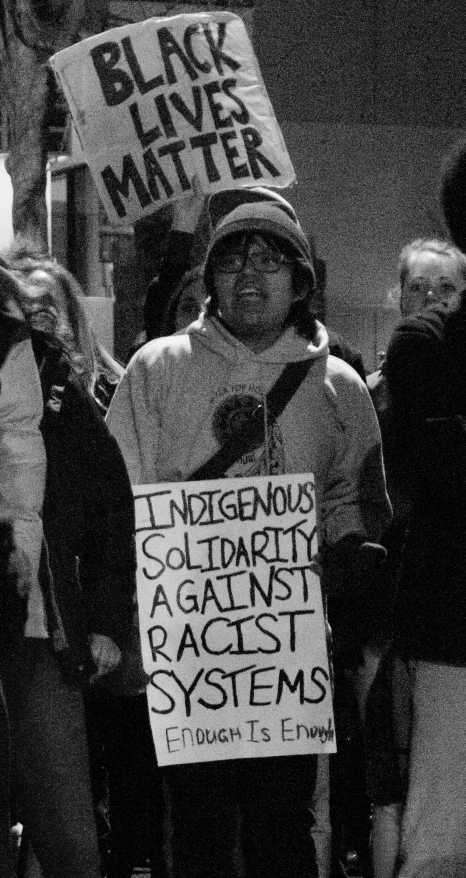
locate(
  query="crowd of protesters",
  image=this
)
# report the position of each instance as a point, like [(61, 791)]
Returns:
[(388, 450)]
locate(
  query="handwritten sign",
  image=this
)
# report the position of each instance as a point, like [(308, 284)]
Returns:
[(156, 102), (231, 619)]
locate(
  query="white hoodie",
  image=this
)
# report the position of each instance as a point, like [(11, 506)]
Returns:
[(23, 467), (183, 395)]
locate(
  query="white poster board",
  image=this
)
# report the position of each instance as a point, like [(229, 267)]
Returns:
[(231, 619), (156, 102)]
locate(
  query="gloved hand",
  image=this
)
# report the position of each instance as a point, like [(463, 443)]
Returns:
[(349, 565), (13, 590)]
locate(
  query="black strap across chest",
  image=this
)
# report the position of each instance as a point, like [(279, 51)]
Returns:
[(251, 436)]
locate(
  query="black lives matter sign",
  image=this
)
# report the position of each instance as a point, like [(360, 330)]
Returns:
[(156, 102), (231, 619)]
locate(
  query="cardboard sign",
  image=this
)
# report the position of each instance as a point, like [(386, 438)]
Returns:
[(156, 102), (231, 619)]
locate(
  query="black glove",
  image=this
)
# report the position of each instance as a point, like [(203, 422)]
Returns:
[(13, 608), (350, 573), (349, 565)]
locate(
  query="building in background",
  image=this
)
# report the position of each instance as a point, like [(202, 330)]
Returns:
[(370, 96)]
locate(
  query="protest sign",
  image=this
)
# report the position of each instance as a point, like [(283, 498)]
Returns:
[(156, 102), (231, 619)]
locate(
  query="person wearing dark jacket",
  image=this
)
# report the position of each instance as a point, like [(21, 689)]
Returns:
[(11, 620), (427, 385), (12, 603), (86, 581)]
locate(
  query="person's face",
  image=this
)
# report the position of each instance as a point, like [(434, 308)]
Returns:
[(432, 277), (190, 303), (42, 281), (253, 303)]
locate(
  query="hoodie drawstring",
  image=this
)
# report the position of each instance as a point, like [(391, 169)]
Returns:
[(266, 429)]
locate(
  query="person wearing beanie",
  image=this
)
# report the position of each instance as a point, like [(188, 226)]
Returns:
[(178, 404), (185, 240)]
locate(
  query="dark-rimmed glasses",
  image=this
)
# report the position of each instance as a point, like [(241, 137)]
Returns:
[(264, 261)]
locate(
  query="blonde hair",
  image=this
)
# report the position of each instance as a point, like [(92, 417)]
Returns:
[(429, 245)]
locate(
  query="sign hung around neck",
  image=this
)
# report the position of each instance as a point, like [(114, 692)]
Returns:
[(157, 102), (232, 624)]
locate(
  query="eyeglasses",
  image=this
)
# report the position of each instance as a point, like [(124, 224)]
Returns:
[(443, 290), (263, 261)]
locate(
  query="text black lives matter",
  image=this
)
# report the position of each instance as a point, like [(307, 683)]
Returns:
[(230, 123)]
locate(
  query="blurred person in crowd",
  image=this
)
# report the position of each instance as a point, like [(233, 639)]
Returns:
[(423, 279), (431, 272), (453, 202), (22, 451), (427, 392), (186, 303), (259, 278), (79, 599), (179, 256), (21, 457), (99, 371)]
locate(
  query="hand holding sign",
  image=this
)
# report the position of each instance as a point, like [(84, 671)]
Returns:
[(187, 212), (157, 102)]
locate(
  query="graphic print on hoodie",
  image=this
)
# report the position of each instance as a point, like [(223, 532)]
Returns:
[(232, 415)]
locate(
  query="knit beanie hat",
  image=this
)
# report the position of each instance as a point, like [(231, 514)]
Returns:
[(223, 202), (262, 217)]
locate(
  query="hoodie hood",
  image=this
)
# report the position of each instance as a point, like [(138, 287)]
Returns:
[(289, 348)]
